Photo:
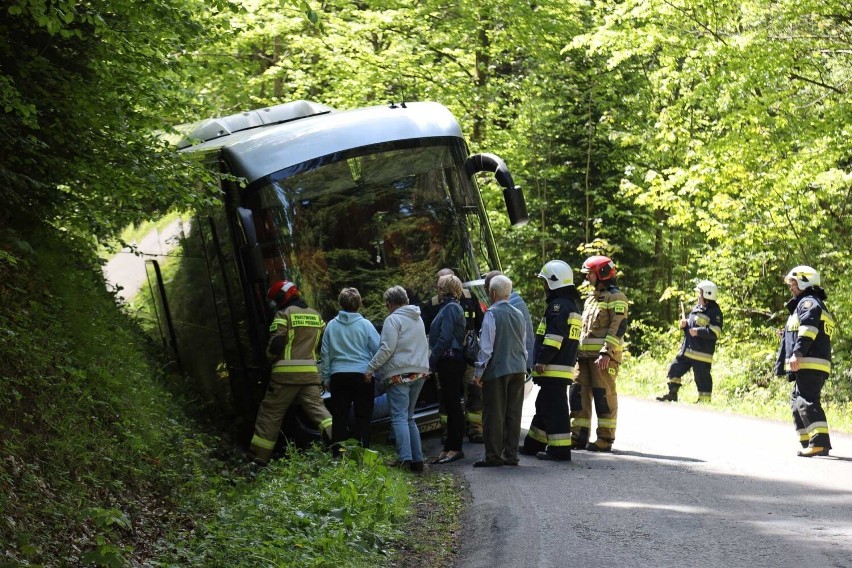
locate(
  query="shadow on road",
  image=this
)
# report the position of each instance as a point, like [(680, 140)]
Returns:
[(655, 456)]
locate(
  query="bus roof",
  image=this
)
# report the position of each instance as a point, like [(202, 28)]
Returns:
[(260, 151)]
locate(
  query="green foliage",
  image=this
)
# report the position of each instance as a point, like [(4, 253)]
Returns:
[(96, 451), (84, 88), (309, 510), (743, 380)]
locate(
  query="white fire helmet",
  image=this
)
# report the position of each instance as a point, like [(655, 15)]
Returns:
[(557, 274), (804, 276), (708, 290)]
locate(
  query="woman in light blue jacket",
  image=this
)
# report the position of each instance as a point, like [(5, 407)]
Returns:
[(348, 344), (402, 362)]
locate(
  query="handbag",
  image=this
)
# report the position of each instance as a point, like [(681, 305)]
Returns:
[(471, 346)]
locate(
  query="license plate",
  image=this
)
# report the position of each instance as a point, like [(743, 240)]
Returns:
[(429, 427)]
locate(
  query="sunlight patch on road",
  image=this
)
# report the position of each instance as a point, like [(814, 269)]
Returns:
[(657, 506)]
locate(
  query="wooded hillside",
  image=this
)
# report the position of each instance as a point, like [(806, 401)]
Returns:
[(687, 139)]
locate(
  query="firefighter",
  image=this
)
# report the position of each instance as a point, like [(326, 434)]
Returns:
[(554, 356), (295, 335), (471, 392), (701, 329), (805, 358), (601, 344)]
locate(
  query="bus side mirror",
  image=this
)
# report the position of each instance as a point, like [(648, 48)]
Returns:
[(516, 205), (246, 222), (253, 263)]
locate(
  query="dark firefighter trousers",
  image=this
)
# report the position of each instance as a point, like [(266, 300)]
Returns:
[(808, 414), (550, 429)]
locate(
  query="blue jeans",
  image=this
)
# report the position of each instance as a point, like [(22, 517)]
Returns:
[(403, 398)]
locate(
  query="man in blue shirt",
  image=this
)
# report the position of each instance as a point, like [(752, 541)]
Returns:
[(500, 370)]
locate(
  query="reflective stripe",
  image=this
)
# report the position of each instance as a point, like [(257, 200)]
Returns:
[(593, 341), (443, 419), (474, 417), (326, 423), (811, 363), (262, 442), (295, 366), (557, 371), (582, 422), (606, 422), (276, 322), (537, 435), (553, 340), (288, 349), (818, 428), (613, 340), (296, 362), (559, 440), (698, 355), (717, 331), (808, 331)]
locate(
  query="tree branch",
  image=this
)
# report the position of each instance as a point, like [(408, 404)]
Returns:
[(817, 83)]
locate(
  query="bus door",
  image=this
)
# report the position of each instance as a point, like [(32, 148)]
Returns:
[(238, 347)]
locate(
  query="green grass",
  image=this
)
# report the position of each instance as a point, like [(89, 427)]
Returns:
[(743, 383), (97, 453), (308, 510)]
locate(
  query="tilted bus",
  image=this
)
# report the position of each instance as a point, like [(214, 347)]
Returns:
[(369, 198)]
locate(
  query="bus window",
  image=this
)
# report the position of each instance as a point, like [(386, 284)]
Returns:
[(384, 216)]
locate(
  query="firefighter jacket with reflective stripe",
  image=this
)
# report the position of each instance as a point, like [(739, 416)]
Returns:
[(807, 334), (707, 320), (604, 324), (296, 332), (558, 336)]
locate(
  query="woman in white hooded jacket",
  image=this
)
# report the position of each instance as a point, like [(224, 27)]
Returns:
[(402, 362)]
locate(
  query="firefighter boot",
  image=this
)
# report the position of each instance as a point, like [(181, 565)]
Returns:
[(671, 396), (812, 451)]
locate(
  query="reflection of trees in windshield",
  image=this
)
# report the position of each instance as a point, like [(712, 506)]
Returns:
[(370, 222)]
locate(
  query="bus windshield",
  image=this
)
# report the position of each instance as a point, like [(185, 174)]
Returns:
[(373, 217)]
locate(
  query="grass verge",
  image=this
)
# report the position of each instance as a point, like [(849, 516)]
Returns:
[(309, 510), (743, 383)]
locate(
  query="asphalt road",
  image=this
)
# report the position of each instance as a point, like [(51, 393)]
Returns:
[(684, 486), (127, 267)]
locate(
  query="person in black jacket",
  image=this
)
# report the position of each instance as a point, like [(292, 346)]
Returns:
[(805, 358), (471, 391), (557, 341), (701, 329)]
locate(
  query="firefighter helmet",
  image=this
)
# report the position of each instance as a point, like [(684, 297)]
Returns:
[(557, 274), (708, 290), (804, 276), (600, 266), (282, 292)]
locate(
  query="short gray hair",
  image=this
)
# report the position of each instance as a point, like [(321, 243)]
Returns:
[(501, 286), (396, 296), (349, 299)]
